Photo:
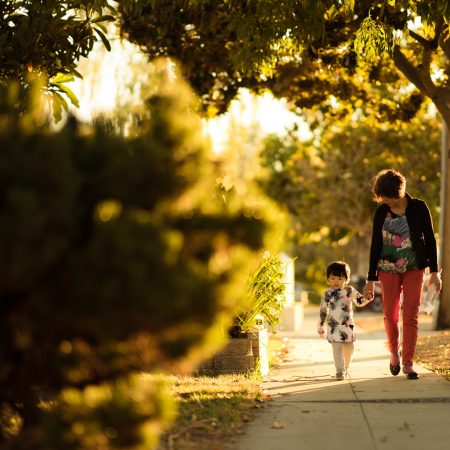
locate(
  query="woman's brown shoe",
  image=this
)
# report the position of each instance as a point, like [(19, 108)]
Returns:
[(410, 373), (394, 364), (395, 370)]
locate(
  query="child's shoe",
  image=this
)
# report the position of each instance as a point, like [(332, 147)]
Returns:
[(340, 375), (410, 373)]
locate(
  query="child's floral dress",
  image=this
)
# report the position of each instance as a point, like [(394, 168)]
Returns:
[(336, 310)]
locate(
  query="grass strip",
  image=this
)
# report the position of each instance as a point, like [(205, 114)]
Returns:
[(210, 410), (433, 352)]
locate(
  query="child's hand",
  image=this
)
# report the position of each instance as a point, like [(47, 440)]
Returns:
[(321, 333), (362, 301), (369, 290)]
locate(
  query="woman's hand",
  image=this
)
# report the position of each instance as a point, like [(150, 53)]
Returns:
[(435, 279), (369, 290)]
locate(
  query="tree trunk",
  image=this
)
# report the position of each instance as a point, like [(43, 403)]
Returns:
[(424, 84), (443, 320)]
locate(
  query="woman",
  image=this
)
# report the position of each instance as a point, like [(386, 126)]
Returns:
[(403, 245)]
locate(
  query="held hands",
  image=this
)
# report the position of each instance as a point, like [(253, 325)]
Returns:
[(369, 290), (363, 301), (435, 279)]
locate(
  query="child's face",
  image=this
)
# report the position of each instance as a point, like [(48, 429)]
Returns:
[(336, 282)]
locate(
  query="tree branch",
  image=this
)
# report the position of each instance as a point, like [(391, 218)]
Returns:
[(423, 83), (432, 45), (443, 92), (411, 73), (444, 43), (426, 65)]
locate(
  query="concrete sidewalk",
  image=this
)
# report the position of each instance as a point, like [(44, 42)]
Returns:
[(372, 410)]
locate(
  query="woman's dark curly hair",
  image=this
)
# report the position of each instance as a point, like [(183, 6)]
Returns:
[(388, 183)]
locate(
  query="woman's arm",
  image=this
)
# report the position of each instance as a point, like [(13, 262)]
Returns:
[(430, 240), (376, 244), (369, 290), (431, 249)]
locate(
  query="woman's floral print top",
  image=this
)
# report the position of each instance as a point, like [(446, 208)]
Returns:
[(336, 310), (397, 254)]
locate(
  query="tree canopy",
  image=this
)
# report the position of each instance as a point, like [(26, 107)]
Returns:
[(302, 51), (47, 38), (332, 56), (306, 51)]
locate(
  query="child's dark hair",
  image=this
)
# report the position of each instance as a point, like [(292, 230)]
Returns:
[(339, 269), (388, 183)]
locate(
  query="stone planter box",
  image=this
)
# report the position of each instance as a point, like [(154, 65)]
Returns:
[(240, 355), (235, 357)]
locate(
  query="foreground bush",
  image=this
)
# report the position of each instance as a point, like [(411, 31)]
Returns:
[(116, 258)]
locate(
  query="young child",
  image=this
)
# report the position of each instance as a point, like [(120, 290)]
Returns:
[(336, 309)]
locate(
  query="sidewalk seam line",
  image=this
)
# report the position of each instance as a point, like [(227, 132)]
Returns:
[(372, 436)]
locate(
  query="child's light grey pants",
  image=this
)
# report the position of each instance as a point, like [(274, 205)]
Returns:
[(342, 354)]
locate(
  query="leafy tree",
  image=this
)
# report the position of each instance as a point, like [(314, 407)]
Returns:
[(288, 47), (324, 184), (308, 52), (116, 258), (47, 38)]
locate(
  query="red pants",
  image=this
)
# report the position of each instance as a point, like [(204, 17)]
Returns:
[(392, 284)]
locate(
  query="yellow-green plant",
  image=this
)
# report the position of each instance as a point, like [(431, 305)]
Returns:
[(265, 295)]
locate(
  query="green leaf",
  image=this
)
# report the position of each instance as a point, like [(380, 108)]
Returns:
[(102, 27), (61, 100), (70, 94), (62, 78), (76, 73), (103, 38), (58, 104), (103, 19)]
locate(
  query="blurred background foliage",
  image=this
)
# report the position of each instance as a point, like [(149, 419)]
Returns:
[(324, 183)]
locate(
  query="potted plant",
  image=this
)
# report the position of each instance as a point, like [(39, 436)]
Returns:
[(261, 309), (265, 297)]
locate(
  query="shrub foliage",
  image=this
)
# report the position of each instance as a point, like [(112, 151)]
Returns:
[(117, 257)]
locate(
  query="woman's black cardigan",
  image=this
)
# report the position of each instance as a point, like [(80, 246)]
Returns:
[(422, 236)]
